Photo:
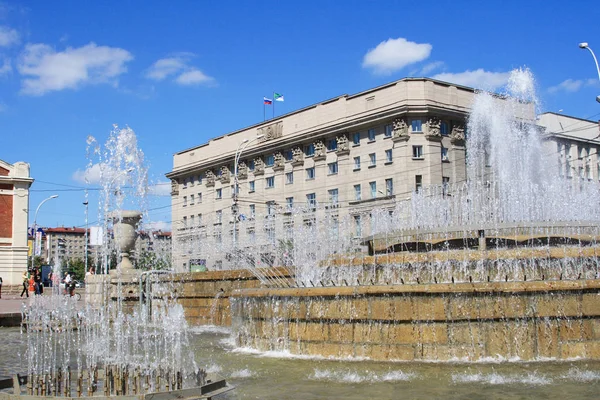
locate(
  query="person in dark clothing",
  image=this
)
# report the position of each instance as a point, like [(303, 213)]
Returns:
[(37, 282), (25, 284), (0, 287)]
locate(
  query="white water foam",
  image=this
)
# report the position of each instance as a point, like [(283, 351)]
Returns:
[(214, 369), (349, 376), (495, 378), (198, 330), (578, 375), (242, 373)]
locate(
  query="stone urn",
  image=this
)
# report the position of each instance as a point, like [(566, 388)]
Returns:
[(124, 224)]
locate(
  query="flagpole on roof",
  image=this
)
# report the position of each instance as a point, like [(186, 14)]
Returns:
[(264, 110), (273, 105)]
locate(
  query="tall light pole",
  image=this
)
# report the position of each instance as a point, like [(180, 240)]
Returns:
[(236, 160), (35, 226), (584, 45), (85, 203)]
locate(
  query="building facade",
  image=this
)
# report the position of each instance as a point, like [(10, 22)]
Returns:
[(336, 160), (575, 143), (15, 181)]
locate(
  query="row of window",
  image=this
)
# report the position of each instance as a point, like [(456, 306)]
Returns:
[(331, 144)]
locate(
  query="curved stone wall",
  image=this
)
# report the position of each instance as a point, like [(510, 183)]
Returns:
[(433, 322)]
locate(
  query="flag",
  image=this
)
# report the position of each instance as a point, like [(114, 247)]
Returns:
[(267, 101), (277, 97)]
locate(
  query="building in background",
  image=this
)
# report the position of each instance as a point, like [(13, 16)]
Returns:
[(575, 143), (336, 160), (15, 181)]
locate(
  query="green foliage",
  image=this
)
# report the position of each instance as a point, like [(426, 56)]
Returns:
[(76, 268)]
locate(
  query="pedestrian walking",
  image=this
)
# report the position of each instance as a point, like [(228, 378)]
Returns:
[(25, 284), (37, 282), (0, 287)]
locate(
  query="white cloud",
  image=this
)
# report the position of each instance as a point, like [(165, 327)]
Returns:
[(158, 226), (160, 189), (48, 70), (8, 36), (179, 68), (479, 78), (394, 54), (98, 173), (428, 68), (193, 77), (572, 85), (90, 176), (6, 67)]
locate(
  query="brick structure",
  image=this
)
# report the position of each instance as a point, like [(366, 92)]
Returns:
[(14, 207)]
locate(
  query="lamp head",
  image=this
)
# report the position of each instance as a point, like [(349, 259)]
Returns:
[(598, 99), (54, 196), (260, 136), (583, 45), (245, 140)]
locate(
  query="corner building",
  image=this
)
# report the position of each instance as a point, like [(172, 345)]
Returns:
[(342, 157)]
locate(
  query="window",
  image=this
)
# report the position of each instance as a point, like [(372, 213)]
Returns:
[(416, 125), (418, 152), (372, 160), (199, 219), (357, 194), (333, 196), (388, 131), (200, 179), (251, 186), (289, 155), (219, 194), (234, 191), (192, 179), (270, 207), (333, 168), (310, 173), (252, 210), (185, 182), (444, 153), (358, 225), (371, 135), (184, 201), (289, 201), (191, 199), (219, 215), (356, 138), (185, 223), (444, 128), (192, 222), (309, 150), (199, 197), (418, 183), (388, 156), (311, 200), (270, 160), (373, 187), (445, 183), (289, 178), (270, 182), (389, 187), (251, 165), (331, 144), (356, 163)]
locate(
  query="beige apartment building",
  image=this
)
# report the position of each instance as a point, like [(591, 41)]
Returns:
[(575, 143), (340, 158)]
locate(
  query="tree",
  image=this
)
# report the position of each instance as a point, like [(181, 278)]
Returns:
[(76, 267), (148, 260)]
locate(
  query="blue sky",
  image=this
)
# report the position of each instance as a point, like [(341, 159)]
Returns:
[(181, 72)]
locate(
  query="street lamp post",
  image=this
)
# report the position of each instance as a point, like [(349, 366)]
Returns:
[(236, 160), (35, 225), (584, 45), (85, 203)]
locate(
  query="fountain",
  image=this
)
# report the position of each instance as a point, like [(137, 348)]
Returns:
[(109, 348), (502, 266)]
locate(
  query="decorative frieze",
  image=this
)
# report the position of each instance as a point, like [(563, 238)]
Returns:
[(210, 178), (174, 187), (297, 156), (225, 174), (343, 148), (433, 129), (242, 170), (399, 130), (457, 136), (320, 151), (279, 163), (259, 166), (270, 132)]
